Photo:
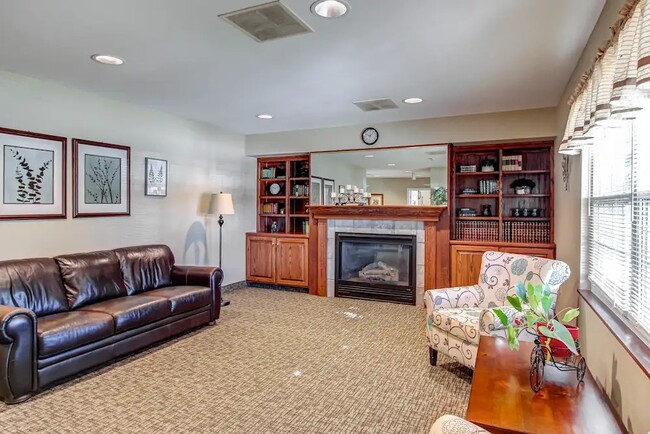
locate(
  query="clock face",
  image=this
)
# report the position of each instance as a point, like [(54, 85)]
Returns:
[(370, 136), (274, 188)]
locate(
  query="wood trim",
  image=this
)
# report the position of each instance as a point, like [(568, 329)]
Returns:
[(498, 244), (75, 178), (278, 235), (386, 212), (430, 248), (64, 165), (322, 258), (378, 148), (633, 344)]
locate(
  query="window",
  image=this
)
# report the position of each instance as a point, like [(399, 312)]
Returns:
[(617, 258)]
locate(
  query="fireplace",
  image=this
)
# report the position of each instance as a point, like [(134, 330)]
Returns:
[(375, 267)]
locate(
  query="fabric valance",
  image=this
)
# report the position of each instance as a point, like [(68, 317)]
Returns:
[(618, 85)]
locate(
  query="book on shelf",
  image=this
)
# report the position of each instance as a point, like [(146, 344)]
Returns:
[(512, 163), (272, 208), (488, 186), (467, 169), (272, 173), (477, 230), (305, 227), (300, 190), (527, 232)]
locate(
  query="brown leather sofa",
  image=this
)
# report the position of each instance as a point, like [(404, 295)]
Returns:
[(63, 315)]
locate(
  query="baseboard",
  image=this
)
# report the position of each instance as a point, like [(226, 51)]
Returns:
[(232, 286), (278, 287)]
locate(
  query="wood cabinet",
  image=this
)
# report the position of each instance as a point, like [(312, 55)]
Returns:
[(466, 258), (277, 260)]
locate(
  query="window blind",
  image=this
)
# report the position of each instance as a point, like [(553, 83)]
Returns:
[(618, 241)]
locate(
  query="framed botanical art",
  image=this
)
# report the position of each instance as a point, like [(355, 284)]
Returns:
[(316, 190), (32, 175), (377, 199), (329, 186), (155, 177), (100, 177)]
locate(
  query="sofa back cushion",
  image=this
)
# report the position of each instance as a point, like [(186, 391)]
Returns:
[(91, 277), (33, 284), (146, 267)]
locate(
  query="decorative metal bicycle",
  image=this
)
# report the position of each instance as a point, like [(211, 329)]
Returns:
[(542, 355)]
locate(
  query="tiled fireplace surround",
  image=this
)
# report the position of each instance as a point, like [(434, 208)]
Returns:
[(381, 227)]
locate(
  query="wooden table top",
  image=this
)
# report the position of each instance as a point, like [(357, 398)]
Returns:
[(502, 401)]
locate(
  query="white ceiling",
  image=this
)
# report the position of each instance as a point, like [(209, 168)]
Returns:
[(461, 56)]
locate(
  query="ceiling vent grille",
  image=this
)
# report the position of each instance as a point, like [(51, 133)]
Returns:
[(376, 104), (267, 22)]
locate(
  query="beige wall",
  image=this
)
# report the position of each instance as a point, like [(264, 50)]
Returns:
[(627, 386), (201, 158), (524, 124), (395, 189)]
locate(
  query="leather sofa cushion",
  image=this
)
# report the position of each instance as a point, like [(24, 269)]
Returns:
[(146, 267), (184, 298), (67, 330), (132, 311), (33, 284), (91, 277)]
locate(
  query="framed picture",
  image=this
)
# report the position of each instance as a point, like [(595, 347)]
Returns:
[(155, 177), (328, 188), (316, 190), (32, 175), (376, 199), (100, 177)]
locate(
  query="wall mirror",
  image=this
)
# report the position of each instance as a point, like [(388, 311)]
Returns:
[(397, 176)]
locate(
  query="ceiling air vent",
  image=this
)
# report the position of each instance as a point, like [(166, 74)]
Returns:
[(267, 22), (376, 104)]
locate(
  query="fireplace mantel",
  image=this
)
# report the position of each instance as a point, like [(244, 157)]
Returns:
[(436, 238), (385, 212)]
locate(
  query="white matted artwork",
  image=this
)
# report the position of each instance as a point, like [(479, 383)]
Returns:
[(329, 186), (101, 179), (155, 177), (32, 175), (316, 190)]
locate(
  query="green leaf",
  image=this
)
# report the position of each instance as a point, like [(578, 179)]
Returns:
[(513, 343), (547, 290), (570, 314), (545, 331), (514, 302), (531, 319), (563, 335), (520, 289), (502, 316), (547, 302)]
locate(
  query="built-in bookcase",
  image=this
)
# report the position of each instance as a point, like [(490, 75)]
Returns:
[(512, 217)]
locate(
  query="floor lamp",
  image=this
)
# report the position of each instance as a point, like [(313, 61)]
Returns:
[(221, 204)]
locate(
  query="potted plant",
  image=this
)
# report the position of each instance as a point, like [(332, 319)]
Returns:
[(523, 186), (534, 307)]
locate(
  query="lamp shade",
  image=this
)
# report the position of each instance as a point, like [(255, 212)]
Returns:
[(221, 204)]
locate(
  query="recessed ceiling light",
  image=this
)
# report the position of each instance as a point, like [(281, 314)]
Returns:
[(413, 100), (107, 59), (369, 156), (265, 116), (391, 164), (330, 8)]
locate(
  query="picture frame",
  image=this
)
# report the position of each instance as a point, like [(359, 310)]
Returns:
[(32, 175), (101, 179), (376, 199), (329, 187), (316, 190), (155, 177)]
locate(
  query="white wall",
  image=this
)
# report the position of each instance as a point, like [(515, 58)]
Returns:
[(202, 159), (395, 190), (624, 382), (515, 125)]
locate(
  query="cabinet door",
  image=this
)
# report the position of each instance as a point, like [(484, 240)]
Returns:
[(260, 259), (292, 262), (540, 253), (466, 264)]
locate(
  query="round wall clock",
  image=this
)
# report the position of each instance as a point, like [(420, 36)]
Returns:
[(370, 136), (274, 188)]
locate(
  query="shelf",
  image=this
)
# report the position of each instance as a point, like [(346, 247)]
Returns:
[(526, 219), (299, 215), (527, 195), (299, 179), (478, 173), (298, 197), (476, 196), (478, 218), (273, 197), (273, 179), (525, 172), (273, 215)]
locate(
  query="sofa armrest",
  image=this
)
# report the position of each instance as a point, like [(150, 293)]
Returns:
[(490, 322), (449, 298), (201, 276), (18, 354)]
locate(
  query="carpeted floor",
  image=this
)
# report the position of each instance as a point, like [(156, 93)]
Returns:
[(276, 362)]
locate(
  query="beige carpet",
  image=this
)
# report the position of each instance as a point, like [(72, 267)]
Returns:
[(276, 362)]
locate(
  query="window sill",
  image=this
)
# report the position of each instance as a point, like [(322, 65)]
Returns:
[(633, 344)]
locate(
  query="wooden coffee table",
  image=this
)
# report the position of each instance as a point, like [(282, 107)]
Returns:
[(502, 401)]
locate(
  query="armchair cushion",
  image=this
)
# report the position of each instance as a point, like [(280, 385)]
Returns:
[(462, 296), (460, 322), (490, 322), (455, 425)]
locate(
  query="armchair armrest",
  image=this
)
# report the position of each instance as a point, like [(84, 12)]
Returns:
[(461, 296), (210, 277), (18, 354), (490, 322)]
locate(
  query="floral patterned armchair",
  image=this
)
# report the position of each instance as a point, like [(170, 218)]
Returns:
[(455, 425), (457, 317)]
